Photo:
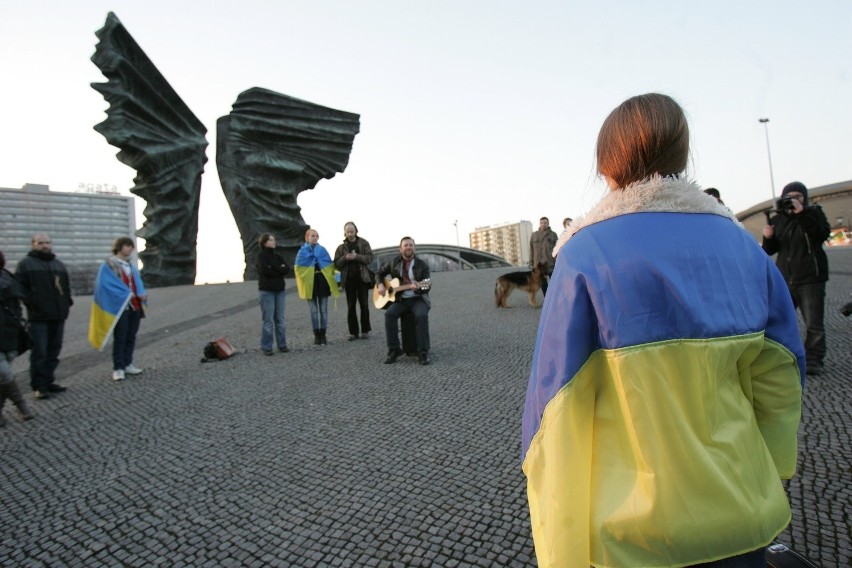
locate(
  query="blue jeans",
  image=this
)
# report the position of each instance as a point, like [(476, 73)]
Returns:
[(319, 312), (44, 354), (810, 299), (124, 339), (272, 314)]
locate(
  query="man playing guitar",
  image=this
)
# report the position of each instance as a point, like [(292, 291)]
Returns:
[(410, 271)]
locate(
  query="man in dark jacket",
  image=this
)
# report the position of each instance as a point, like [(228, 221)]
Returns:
[(411, 296), (541, 250), (797, 234), (47, 295)]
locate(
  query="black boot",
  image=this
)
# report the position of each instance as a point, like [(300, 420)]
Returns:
[(322, 337), (14, 394), (317, 340), (3, 397)]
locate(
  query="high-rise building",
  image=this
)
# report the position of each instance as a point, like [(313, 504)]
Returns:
[(82, 227), (509, 240)]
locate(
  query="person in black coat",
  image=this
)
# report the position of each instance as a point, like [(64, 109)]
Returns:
[(10, 325), (797, 234), (271, 270), (47, 296), (412, 296), (352, 258)]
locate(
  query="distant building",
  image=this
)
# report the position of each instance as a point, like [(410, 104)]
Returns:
[(508, 240), (82, 227)]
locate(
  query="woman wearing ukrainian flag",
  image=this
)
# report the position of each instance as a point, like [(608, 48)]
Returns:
[(315, 281), (666, 383)]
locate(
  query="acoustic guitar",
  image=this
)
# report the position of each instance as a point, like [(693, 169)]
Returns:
[(393, 287)]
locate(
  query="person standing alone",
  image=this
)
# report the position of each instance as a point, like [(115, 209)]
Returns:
[(47, 296), (271, 270), (797, 234), (352, 259), (541, 250)]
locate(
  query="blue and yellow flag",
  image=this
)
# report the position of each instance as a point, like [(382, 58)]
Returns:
[(108, 303), (306, 259)]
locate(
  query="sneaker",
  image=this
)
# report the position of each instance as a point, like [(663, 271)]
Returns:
[(53, 387), (132, 370), (353, 337), (424, 358), (269, 353), (41, 394), (118, 375), (284, 349)]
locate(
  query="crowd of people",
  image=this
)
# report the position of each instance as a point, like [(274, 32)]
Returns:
[(314, 271)]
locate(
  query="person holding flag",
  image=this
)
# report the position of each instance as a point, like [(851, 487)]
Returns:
[(315, 281), (117, 308)]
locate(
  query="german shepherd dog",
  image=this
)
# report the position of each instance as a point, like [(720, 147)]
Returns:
[(530, 281)]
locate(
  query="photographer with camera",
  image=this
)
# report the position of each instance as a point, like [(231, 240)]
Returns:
[(797, 233)]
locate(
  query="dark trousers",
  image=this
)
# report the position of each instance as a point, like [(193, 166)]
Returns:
[(357, 292), (124, 339), (44, 353), (754, 559), (420, 310), (810, 300)]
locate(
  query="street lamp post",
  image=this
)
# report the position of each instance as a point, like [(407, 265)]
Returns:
[(765, 122), (458, 246)]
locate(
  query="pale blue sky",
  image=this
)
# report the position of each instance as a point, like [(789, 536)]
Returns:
[(481, 111)]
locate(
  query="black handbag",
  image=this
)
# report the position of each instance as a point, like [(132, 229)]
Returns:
[(25, 343), (24, 340)]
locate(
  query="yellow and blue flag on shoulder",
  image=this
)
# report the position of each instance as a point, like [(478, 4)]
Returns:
[(110, 298), (306, 259)]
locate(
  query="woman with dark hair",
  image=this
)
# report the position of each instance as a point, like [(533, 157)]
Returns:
[(11, 318), (271, 270), (352, 259), (665, 390), (118, 283)]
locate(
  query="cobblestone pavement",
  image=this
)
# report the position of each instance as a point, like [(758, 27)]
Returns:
[(324, 456)]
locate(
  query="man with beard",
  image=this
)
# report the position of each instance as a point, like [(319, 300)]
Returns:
[(47, 295), (412, 296)]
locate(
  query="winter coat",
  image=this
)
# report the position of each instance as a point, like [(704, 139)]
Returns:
[(541, 248), (362, 260), (665, 390), (271, 270), (46, 286), (10, 298), (798, 240)]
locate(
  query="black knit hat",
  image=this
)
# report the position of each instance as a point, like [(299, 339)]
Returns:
[(798, 187)]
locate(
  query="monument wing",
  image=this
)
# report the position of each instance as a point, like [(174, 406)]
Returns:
[(270, 148), (164, 142)]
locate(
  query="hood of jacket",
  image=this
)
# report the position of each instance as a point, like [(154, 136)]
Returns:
[(653, 195)]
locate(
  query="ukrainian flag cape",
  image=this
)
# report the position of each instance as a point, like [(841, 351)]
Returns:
[(110, 298), (306, 259), (665, 388)]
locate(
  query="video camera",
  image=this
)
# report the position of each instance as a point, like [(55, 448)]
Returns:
[(785, 205)]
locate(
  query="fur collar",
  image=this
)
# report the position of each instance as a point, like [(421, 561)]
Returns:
[(655, 194)]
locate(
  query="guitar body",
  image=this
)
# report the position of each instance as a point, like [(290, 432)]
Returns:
[(392, 287), (381, 302)]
